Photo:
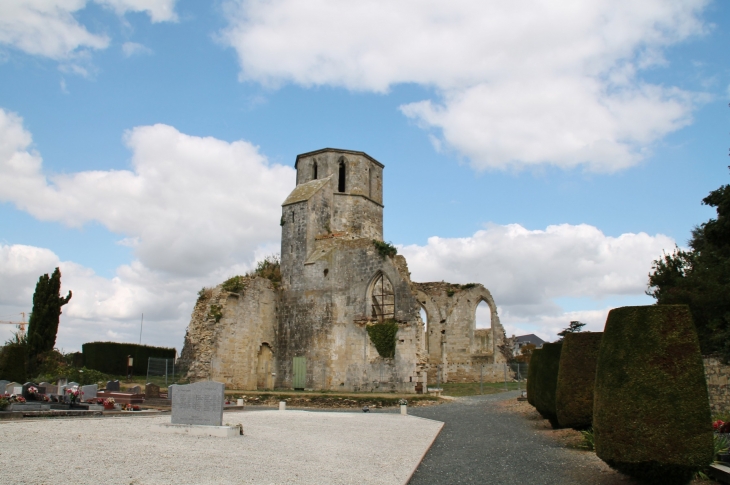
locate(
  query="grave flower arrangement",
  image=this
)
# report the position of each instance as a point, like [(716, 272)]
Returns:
[(74, 394), (32, 390), (15, 398), (109, 403), (403, 402)]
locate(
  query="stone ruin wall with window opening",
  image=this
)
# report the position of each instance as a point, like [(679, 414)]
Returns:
[(334, 284)]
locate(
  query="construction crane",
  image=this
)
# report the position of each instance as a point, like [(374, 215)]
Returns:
[(21, 325)]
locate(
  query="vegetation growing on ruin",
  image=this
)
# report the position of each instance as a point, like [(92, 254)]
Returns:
[(385, 249), (469, 286), (383, 337), (204, 293), (216, 313), (235, 285), (269, 268)]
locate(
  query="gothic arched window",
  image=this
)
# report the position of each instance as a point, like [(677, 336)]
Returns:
[(382, 299)]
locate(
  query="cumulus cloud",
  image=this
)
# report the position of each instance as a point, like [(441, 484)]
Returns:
[(102, 308), (158, 10), (528, 270), (188, 206), (516, 83), (130, 49), (48, 28)]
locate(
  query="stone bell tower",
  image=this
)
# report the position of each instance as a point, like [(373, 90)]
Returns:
[(339, 195)]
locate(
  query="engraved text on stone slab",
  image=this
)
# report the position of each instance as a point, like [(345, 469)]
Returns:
[(200, 403)]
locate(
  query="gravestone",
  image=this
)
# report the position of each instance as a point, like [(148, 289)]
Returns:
[(112, 386), (72, 384), (50, 388), (136, 390), (198, 404), (62, 382), (3, 385), (89, 391), (151, 391), (27, 395), (12, 388)]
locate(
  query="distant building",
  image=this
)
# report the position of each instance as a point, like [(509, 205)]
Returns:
[(523, 340)]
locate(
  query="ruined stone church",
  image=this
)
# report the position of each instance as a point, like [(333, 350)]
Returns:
[(309, 331)]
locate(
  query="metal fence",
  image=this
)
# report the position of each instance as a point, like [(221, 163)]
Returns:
[(511, 376), (164, 372)]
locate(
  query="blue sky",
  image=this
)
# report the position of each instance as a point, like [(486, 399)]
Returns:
[(549, 153)]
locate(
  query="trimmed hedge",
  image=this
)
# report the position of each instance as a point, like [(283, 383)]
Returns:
[(651, 414), (111, 357), (532, 375), (576, 379), (12, 362), (546, 379)]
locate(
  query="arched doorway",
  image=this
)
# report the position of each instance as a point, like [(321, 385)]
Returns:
[(265, 368)]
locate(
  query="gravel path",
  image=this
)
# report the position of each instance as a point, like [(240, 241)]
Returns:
[(278, 447), (482, 443)]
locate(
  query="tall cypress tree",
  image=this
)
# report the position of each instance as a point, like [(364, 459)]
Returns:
[(43, 325)]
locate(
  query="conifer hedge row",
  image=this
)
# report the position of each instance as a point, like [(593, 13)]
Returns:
[(111, 357), (546, 378), (641, 385), (576, 378), (651, 417)]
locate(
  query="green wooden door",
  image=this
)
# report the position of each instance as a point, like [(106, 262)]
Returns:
[(299, 374)]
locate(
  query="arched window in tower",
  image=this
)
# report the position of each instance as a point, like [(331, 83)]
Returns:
[(382, 299), (341, 185), (314, 171)]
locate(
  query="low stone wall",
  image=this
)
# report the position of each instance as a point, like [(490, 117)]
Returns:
[(717, 375)]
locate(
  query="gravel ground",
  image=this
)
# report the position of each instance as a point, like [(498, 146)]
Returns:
[(297, 447), (482, 443)]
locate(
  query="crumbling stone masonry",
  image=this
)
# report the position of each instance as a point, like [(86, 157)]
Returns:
[(310, 331), (717, 375)]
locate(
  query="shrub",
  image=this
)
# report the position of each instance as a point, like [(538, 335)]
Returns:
[(111, 357), (13, 358), (546, 380), (651, 415), (532, 375), (235, 285), (269, 268), (576, 379), (383, 336), (385, 249)]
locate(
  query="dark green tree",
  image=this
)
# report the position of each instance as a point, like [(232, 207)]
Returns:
[(43, 324), (575, 326), (700, 277)]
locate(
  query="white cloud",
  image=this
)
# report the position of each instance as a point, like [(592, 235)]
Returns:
[(102, 308), (528, 270), (48, 28), (189, 205), (158, 10), (131, 48), (517, 83)]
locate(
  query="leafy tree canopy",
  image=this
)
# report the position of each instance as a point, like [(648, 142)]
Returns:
[(575, 326), (700, 277)]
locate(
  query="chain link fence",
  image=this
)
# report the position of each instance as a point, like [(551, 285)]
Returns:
[(165, 372)]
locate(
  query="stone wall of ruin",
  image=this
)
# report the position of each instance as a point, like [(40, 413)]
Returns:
[(717, 375), (228, 350), (456, 348)]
